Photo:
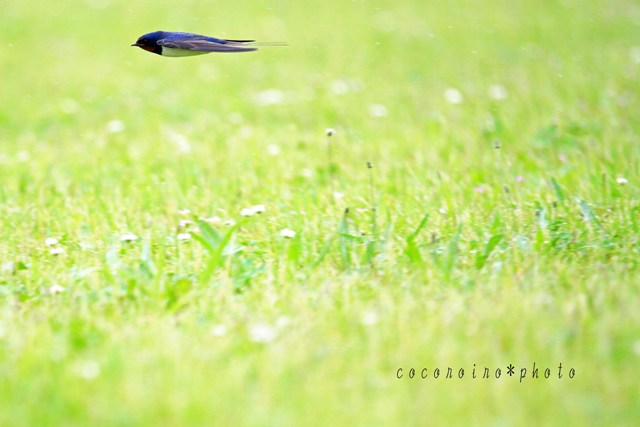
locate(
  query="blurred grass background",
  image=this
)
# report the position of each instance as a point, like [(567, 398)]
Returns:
[(529, 252)]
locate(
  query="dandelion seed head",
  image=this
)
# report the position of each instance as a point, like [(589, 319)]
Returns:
[(287, 233)]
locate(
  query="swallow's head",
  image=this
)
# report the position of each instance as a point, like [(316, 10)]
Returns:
[(149, 42)]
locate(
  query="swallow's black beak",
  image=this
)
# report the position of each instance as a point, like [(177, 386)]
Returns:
[(135, 44)]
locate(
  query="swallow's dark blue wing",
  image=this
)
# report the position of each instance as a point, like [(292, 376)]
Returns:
[(207, 44)]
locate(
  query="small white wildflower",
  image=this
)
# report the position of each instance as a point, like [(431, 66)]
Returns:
[(519, 178), (259, 209), (184, 211), (128, 237), (184, 223), (56, 251), (183, 236), (273, 150), (338, 195), (195, 230), (218, 330), (51, 241), (56, 289), (247, 212), (453, 96), (442, 211), (378, 110), (262, 333), (115, 126), (622, 181), (497, 92), (330, 131), (307, 172), (289, 234), (229, 222), (369, 318)]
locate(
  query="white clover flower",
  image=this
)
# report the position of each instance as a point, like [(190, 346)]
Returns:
[(218, 330), (128, 237), (453, 96), (183, 236), (56, 251), (262, 333), (622, 181), (247, 212), (51, 241), (289, 234), (184, 211), (259, 209), (56, 289)]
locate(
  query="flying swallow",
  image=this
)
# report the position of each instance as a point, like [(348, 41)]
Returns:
[(168, 43)]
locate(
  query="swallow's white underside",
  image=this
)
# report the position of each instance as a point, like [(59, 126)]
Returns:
[(171, 51)]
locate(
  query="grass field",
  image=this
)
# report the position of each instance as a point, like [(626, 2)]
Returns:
[(476, 206)]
